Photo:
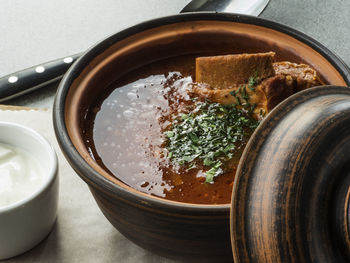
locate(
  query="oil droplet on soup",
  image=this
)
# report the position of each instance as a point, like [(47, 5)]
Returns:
[(127, 136)]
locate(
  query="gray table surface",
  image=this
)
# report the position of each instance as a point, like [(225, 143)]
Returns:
[(36, 31)]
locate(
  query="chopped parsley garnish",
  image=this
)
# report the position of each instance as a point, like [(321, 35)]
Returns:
[(242, 98), (209, 134), (251, 83)]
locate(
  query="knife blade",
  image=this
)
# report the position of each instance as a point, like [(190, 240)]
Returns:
[(251, 7)]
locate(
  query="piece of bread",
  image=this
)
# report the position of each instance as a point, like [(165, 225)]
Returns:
[(225, 79), (224, 72)]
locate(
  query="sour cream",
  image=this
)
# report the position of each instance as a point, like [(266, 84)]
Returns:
[(20, 174)]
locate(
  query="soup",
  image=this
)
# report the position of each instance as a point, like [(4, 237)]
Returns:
[(155, 132)]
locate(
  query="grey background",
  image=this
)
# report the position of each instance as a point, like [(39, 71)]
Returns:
[(36, 31)]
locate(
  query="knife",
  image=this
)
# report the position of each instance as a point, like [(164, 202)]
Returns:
[(39, 76)]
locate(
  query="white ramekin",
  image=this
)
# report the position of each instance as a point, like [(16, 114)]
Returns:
[(27, 222)]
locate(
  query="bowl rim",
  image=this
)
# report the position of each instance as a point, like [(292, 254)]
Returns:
[(49, 177), (88, 174)]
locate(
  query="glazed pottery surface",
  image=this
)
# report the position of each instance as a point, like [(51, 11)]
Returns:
[(291, 194), (189, 232)]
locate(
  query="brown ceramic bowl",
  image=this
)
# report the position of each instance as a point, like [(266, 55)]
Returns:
[(292, 189), (190, 232)]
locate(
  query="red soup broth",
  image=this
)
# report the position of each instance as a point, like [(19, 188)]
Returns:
[(125, 134)]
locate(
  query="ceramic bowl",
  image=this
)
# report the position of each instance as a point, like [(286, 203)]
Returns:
[(28, 220), (292, 189), (189, 232)]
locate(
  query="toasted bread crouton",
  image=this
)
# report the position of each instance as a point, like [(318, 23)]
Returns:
[(228, 71), (223, 78)]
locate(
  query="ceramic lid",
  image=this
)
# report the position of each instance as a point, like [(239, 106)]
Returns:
[(292, 187)]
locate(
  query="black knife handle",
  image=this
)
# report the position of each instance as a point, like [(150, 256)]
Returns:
[(30, 79)]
